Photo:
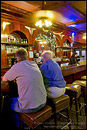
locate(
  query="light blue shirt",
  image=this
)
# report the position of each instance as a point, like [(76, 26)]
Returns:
[(31, 89), (52, 74)]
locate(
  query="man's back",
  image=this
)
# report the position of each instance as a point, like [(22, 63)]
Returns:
[(52, 74), (31, 88)]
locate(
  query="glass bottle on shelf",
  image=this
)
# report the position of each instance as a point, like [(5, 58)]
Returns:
[(8, 40), (19, 40), (23, 41), (26, 41)]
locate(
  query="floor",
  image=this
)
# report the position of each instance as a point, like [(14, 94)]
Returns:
[(62, 121), (6, 124)]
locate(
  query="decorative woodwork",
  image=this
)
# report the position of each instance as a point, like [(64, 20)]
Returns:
[(3, 56), (15, 16)]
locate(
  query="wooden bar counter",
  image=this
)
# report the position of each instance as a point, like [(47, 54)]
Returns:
[(4, 69), (70, 72), (73, 72)]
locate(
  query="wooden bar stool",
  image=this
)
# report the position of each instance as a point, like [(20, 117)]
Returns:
[(84, 77), (36, 118), (59, 104), (83, 90), (74, 92)]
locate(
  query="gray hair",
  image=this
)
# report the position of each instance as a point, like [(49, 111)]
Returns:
[(47, 55), (22, 53)]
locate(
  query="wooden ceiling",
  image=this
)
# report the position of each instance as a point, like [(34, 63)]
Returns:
[(72, 14)]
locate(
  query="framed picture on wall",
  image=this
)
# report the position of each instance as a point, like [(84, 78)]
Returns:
[(78, 54), (83, 53), (31, 54)]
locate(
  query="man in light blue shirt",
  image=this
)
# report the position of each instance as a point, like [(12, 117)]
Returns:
[(52, 76), (31, 90)]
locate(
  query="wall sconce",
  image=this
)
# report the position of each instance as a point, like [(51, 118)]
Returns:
[(4, 24), (84, 36), (30, 29)]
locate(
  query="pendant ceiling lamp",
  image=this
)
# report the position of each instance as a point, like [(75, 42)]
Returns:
[(42, 18)]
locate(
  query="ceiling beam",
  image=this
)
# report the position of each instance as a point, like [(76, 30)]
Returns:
[(47, 5), (76, 22), (75, 11), (13, 8), (35, 3), (54, 5)]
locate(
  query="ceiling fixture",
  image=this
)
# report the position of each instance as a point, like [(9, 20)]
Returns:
[(43, 22), (43, 19)]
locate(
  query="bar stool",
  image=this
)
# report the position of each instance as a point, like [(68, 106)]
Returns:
[(82, 83), (74, 92), (59, 104), (34, 119), (84, 78)]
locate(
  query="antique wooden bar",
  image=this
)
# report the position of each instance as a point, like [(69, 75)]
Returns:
[(74, 72), (70, 73)]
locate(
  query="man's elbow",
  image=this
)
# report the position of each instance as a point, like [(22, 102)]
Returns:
[(4, 78)]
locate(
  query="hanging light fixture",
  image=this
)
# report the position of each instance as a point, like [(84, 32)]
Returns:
[(43, 22), (44, 17)]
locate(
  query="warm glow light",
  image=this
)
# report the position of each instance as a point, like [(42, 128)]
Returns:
[(30, 29), (4, 24), (4, 35), (27, 27), (43, 42), (50, 15), (84, 37), (48, 23), (44, 23), (39, 23)]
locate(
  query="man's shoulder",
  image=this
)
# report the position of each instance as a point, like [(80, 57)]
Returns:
[(43, 65)]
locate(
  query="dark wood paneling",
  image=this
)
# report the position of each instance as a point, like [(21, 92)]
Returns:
[(79, 75), (68, 79), (73, 70), (3, 56)]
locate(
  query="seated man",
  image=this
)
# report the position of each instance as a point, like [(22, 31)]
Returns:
[(31, 89), (52, 76)]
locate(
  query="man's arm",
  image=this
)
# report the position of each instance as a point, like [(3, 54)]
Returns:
[(10, 74)]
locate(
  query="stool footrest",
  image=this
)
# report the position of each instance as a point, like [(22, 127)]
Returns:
[(63, 115), (66, 125)]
